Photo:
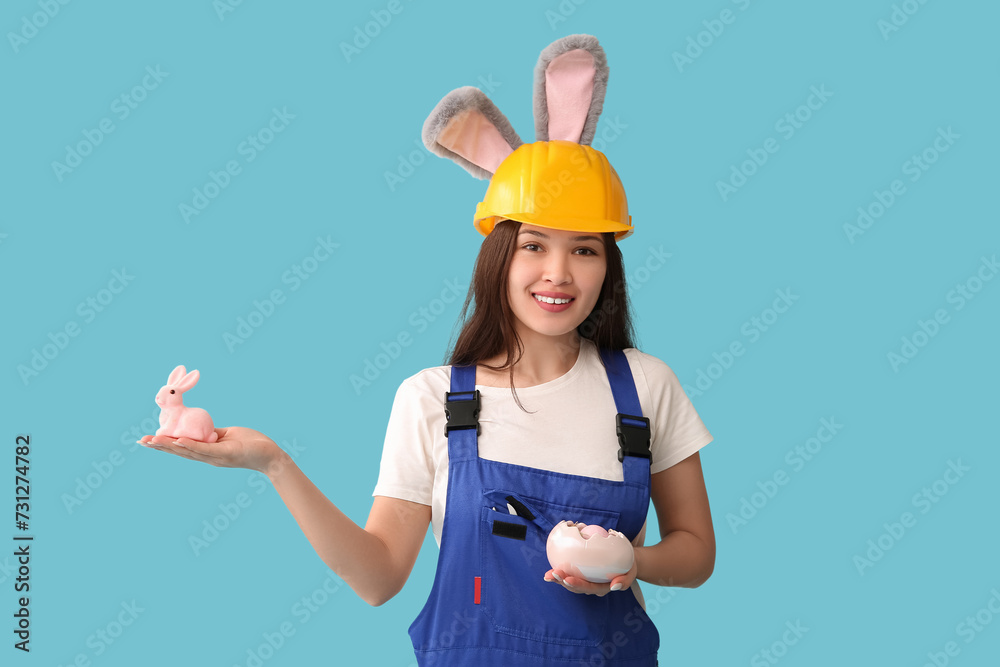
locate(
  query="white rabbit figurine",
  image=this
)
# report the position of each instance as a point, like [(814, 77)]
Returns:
[(178, 421)]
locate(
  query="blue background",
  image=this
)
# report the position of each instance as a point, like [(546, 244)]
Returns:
[(673, 130)]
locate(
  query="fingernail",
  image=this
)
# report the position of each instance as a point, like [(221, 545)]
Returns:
[(557, 577), (177, 443), (616, 587)]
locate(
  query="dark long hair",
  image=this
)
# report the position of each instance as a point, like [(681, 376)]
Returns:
[(490, 329)]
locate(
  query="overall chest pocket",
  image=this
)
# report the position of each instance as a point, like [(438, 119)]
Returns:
[(514, 595)]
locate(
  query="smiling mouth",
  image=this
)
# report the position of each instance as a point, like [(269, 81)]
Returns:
[(551, 300)]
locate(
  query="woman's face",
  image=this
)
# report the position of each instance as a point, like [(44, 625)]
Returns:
[(555, 263)]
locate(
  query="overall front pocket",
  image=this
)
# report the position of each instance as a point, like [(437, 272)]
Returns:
[(514, 595)]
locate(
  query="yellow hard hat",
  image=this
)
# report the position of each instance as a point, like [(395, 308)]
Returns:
[(556, 184), (558, 181)]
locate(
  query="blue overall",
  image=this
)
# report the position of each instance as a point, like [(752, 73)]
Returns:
[(489, 605)]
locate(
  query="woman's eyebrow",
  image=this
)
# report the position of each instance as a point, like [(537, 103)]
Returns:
[(575, 238)]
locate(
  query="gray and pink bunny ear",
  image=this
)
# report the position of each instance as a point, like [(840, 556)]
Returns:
[(571, 77), (467, 128)]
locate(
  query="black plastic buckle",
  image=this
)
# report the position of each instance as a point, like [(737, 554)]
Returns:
[(461, 412), (633, 437)]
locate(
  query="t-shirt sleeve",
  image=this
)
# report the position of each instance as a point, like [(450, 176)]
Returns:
[(407, 468), (677, 430)]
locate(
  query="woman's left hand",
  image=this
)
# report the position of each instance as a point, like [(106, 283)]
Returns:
[(578, 585)]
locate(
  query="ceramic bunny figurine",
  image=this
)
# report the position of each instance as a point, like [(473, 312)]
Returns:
[(178, 421)]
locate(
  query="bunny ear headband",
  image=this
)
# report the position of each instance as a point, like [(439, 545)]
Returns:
[(559, 181)]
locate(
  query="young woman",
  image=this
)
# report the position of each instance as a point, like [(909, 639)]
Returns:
[(552, 414)]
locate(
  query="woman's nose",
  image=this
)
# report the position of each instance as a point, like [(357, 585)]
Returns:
[(557, 268)]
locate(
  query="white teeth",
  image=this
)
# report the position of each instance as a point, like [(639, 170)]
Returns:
[(548, 299)]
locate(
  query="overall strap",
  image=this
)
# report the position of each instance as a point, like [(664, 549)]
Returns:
[(632, 428), (461, 407)]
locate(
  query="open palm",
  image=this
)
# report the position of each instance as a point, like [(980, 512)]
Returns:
[(237, 447)]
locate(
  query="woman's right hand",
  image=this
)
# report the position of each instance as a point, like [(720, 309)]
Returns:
[(237, 447)]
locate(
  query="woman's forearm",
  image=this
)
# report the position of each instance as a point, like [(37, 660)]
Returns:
[(679, 559), (358, 557)]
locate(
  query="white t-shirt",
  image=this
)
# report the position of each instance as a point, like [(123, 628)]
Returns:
[(571, 431)]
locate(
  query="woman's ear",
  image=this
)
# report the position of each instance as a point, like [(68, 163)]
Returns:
[(571, 78), (468, 129)]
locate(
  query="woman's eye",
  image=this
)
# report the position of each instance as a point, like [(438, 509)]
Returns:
[(586, 251)]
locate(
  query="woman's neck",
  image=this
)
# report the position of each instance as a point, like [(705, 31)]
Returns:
[(544, 359)]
